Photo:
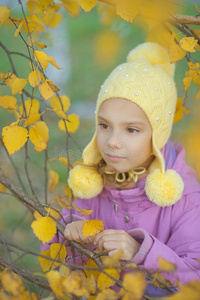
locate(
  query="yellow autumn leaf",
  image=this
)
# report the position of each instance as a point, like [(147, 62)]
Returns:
[(113, 261), (32, 106), (55, 283), (193, 66), (9, 78), (63, 160), (72, 7), (104, 281), (50, 18), (14, 138), (107, 47), (63, 201), (53, 63), (188, 44), (187, 82), (53, 179), (3, 188), (8, 102), (91, 264), (52, 212), (178, 116), (197, 7), (107, 294), (52, 85), (34, 24), (34, 78), (68, 192), (180, 108), (91, 284), (190, 291), (46, 90), (58, 252), (72, 123), (45, 263), (134, 283), (12, 283), (44, 229), (39, 136), (75, 283), (176, 53), (4, 14), (92, 227), (42, 58), (196, 78), (60, 105), (32, 119), (87, 5), (64, 271), (85, 212), (17, 85), (18, 29), (40, 45), (128, 9), (165, 266)]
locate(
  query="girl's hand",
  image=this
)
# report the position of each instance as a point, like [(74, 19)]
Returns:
[(73, 231), (113, 240)]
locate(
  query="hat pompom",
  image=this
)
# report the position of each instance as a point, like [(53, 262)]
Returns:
[(164, 189), (85, 182), (155, 54)]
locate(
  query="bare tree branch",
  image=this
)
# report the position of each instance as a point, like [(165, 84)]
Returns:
[(189, 20)]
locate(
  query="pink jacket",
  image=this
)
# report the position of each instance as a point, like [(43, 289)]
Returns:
[(171, 232)]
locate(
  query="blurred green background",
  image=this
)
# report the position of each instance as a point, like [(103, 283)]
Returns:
[(73, 44)]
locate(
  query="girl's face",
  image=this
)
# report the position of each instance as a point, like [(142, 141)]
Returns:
[(123, 135)]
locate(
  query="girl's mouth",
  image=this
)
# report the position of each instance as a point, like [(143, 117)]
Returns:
[(114, 158)]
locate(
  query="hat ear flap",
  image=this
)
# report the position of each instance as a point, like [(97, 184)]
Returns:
[(162, 187), (91, 154)]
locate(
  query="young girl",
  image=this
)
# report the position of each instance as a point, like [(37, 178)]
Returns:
[(133, 177)]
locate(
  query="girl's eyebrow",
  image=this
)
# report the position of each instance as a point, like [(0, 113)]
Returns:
[(135, 122)]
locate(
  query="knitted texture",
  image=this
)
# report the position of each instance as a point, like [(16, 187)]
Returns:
[(146, 80)]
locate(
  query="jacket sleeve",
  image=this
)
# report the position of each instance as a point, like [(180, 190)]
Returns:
[(181, 249)]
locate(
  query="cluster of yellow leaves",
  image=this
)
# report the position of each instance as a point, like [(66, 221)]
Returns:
[(12, 287), (15, 136), (178, 50), (74, 283)]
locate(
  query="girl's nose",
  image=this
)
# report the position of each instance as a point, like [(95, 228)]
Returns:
[(114, 141)]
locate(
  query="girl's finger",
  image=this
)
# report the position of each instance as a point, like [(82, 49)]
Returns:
[(103, 233)]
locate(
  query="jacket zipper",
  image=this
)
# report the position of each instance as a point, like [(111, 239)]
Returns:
[(115, 205)]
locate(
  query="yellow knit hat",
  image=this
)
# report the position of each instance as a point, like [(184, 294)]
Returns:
[(147, 80)]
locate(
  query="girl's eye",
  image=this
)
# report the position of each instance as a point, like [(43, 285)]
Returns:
[(132, 130), (103, 125)]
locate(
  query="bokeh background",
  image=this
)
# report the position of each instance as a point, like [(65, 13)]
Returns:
[(87, 48)]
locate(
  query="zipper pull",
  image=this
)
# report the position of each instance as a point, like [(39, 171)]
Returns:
[(115, 206)]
